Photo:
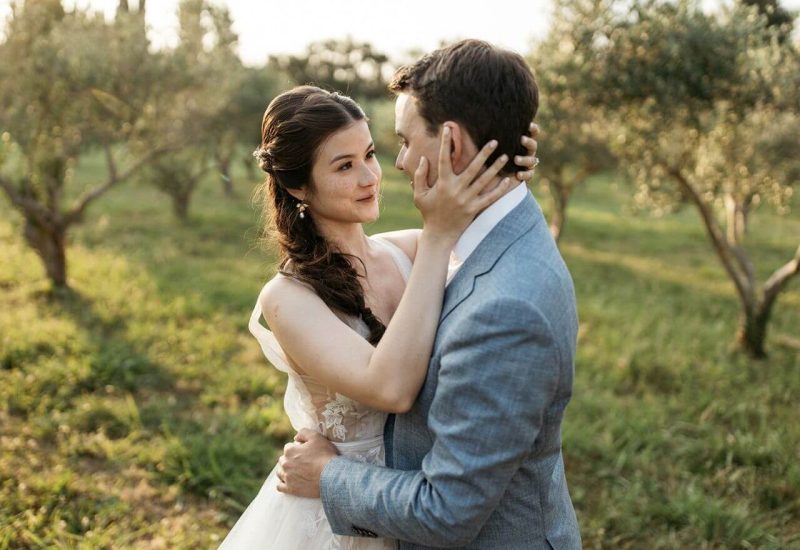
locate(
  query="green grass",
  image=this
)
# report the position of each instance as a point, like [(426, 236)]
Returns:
[(137, 411)]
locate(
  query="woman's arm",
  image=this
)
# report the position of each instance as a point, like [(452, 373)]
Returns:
[(406, 240), (388, 376)]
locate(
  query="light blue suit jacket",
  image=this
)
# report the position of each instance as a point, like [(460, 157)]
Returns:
[(477, 461)]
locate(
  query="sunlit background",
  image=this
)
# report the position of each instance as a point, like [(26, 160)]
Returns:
[(393, 27), (270, 27), (136, 410)]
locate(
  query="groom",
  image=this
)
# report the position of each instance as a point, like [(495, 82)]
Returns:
[(476, 462)]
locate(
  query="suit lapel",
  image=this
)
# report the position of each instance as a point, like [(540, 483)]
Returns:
[(518, 222)]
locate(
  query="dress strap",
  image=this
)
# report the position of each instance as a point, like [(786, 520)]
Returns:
[(400, 258), (269, 344)]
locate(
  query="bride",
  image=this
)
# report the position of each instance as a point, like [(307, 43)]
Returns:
[(337, 290)]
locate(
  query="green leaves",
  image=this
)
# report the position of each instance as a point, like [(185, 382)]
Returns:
[(347, 66)]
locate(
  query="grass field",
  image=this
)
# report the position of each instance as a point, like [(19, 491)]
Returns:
[(136, 411)]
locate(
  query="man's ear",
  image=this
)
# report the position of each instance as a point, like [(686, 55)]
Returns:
[(463, 150)]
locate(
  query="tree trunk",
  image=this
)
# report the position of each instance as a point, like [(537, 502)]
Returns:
[(751, 334), (250, 167), (50, 245), (224, 166), (558, 219), (557, 222), (180, 206)]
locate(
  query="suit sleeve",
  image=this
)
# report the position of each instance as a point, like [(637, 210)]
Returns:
[(496, 380)]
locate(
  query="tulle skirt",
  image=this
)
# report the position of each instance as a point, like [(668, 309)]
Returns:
[(284, 522)]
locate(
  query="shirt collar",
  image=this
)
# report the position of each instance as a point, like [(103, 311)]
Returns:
[(485, 222)]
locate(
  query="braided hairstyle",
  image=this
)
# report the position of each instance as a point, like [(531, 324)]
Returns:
[(295, 125)]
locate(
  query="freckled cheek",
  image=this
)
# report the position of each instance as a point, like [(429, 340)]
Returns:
[(333, 195), (377, 172)]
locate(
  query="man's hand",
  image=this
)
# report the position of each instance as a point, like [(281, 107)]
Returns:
[(302, 462), (530, 161)]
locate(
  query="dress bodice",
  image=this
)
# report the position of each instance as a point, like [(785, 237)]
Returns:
[(310, 404)]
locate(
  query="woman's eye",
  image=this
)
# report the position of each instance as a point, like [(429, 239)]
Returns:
[(346, 166), (371, 154)]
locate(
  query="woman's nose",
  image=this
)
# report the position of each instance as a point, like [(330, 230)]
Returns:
[(370, 176)]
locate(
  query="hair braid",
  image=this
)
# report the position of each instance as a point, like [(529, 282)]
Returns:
[(295, 124)]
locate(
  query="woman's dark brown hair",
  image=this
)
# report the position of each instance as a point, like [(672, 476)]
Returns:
[(295, 125)]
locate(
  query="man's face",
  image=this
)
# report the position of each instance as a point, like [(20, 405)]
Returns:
[(416, 142)]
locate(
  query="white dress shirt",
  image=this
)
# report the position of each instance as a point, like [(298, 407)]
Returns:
[(482, 225)]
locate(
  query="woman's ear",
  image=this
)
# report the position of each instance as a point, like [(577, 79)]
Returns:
[(299, 194)]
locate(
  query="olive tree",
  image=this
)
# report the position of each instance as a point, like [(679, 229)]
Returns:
[(347, 66), (204, 76), (708, 115), (71, 83), (573, 142)]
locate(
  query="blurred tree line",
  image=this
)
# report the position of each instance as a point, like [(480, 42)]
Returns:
[(698, 109)]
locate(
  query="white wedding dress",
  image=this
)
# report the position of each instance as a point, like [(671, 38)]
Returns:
[(283, 522)]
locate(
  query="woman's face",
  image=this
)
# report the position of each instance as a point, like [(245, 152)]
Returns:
[(346, 177)]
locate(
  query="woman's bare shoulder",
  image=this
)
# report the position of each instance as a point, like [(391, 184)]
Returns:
[(405, 239), (283, 290)]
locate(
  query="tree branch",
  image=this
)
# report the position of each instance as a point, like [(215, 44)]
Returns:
[(736, 220), (110, 162), (745, 264), (583, 174), (779, 278), (726, 255), (30, 208), (733, 219), (113, 179)]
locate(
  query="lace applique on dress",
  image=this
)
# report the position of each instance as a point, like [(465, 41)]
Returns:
[(313, 521), (333, 415), (335, 412)]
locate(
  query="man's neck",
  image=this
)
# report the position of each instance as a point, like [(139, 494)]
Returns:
[(486, 220), (494, 184)]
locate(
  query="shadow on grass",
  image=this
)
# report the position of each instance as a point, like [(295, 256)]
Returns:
[(668, 328), (226, 462), (122, 393), (117, 362)]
